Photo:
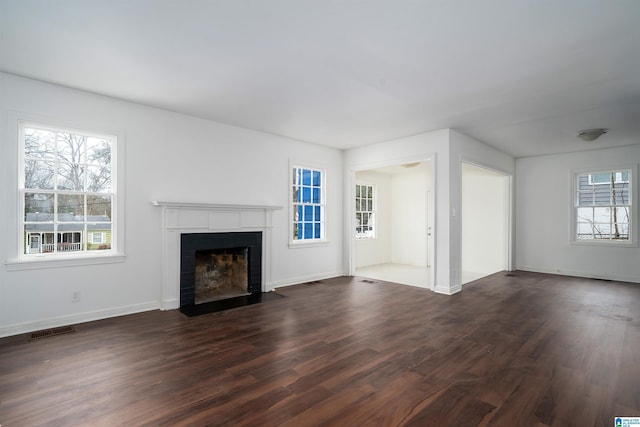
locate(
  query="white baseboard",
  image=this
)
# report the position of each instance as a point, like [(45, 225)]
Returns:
[(587, 275), (54, 322), (446, 290), (303, 279)]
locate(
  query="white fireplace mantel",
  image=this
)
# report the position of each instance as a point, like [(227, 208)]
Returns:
[(184, 217)]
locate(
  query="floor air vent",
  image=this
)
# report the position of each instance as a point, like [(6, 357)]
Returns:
[(51, 332)]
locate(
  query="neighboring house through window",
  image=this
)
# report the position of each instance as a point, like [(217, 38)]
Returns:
[(67, 191), (365, 211), (603, 206), (308, 204)]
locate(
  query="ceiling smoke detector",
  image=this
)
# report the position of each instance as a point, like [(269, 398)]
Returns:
[(591, 134)]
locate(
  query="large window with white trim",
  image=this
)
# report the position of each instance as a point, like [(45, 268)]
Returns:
[(603, 206), (308, 204), (67, 187)]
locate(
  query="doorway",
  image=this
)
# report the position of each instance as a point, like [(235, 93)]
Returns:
[(485, 222), (397, 247)]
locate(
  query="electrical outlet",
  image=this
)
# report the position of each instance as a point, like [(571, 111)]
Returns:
[(75, 296)]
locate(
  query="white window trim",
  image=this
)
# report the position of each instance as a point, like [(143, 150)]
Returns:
[(633, 192), (374, 211), (16, 258), (306, 243)]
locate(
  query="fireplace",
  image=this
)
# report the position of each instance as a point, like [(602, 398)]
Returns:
[(184, 218), (216, 266)]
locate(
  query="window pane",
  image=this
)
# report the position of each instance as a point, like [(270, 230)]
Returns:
[(585, 198), (602, 215), (71, 148), (308, 230), (598, 178), (370, 192), (306, 177), (308, 213), (39, 144), (298, 213), (70, 207), (622, 214), (306, 195), (316, 195), (357, 191), (99, 237), (623, 232), (622, 195), (584, 182), (99, 208), (296, 195), (370, 205), (585, 230), (39, 174), (317, 215), (98, 179), (38, 207), (98, 151), (316, 178), (316, 234), (71, 176)]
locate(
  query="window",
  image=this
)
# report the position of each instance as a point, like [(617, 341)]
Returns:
[(96, 238), (603, 206), (365, 213), (308, 204), (67, 190)]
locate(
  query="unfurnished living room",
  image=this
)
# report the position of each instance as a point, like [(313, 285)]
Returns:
[(319, 213)]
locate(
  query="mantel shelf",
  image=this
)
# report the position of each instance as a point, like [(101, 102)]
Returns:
[(216, 206)]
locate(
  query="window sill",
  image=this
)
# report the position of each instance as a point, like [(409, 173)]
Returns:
[(308, 244), (43, 261), (604, 243)]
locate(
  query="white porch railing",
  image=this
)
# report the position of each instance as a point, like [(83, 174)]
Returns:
[(69, 247)]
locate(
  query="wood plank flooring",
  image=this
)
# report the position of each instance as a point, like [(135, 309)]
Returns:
[(521, 349)]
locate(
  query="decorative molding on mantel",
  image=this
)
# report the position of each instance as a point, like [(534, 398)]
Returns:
[(216, 206), (185, 217)]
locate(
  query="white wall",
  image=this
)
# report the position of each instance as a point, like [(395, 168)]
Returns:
[(169, 157), (377, 250), (543, 211), (409, 218), (484, 221)]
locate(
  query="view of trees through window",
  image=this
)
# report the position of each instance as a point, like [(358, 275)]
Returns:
[(603, 205), (67, 190)]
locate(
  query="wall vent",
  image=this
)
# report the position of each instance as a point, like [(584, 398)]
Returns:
[(51, 332)]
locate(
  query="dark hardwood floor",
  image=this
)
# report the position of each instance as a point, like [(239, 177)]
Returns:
[(522, 350)]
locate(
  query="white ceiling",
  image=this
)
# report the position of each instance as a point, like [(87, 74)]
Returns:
[(521, 75)]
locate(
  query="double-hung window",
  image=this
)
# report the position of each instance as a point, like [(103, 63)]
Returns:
[(365, 211), (308, 204), (66, 181), (603, 206)]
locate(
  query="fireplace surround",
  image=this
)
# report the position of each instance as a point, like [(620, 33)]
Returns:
[(194, 244), (180, 218)]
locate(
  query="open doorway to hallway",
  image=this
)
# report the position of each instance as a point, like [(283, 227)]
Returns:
[(485, 222), (393, 225)]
